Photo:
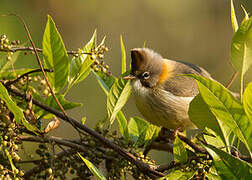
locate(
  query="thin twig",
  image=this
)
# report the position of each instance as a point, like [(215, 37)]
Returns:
[(58, 140), (173, 164), (42, 167), (196, 147), (42, 68), (38, 50), (232, 80), (24, 75), (145, 168)]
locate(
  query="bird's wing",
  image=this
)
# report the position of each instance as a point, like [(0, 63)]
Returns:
[(182, 85)]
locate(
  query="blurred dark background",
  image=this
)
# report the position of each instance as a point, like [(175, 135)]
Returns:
[(195, 31)]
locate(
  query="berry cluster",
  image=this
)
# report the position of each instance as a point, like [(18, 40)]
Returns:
[(9, 145), (201, 166), (6, 45), (98, 53)]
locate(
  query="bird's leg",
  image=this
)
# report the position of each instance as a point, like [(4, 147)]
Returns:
[(167, 134)]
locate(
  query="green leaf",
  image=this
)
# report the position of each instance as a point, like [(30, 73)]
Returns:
[(239, 168), (91, 43), (226, 109), (212, 174), (18, 114), (233, 18), (80, 66), (241, 49), (102, 42), (55, 56), (204, 119), (247, 101), (104, 81), (214, 139), (123, 125), (246, 16), (123, 56), (65, 103), (179, 175), (98, 174), (30, 127), (117, 97), (50, 101), (151, 132), (137, 128), (179, 151)]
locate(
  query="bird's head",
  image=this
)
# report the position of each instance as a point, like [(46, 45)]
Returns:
[(146, 66)]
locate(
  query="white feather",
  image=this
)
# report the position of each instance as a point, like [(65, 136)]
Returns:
[(161, 107)]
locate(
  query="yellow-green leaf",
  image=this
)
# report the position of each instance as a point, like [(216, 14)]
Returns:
[(233, 18), (241, 49), (18, 114), (179, 151), (247, 101), (98, 174), (80, 66), (123, 54), (246, 16), (239, 168), (117, 97), (226, 109), (55, 56)]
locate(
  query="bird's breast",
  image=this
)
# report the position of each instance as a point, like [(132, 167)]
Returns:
[(160, 107)]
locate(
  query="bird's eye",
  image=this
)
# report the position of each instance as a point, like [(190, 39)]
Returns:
[(146, 75)]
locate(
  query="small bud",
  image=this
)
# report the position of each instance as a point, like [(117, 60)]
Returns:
[(15, 147), (6, 40), (21, 173), (49, 170), (106, 49), (45, 92), (17, 42), (107, 66), (5, 143), (101, 56), (13, 42), (104, 70), (12, 125), (27, 112), (3, 36), (93, 57), (96, 61), (16, 171), (109, 73), (102, 47), (6, 137), (43, 82)]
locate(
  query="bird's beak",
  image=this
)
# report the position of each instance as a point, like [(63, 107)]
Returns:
[(129, 77)]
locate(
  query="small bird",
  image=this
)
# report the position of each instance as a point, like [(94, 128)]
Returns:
[(162, 94)]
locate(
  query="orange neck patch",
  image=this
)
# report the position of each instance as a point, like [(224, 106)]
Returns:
[(165, 74)]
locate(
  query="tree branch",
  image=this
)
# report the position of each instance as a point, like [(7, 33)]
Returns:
[(196, 147), (26, 74), (16, 49), (58, 140), (145, 168), (42, 167)]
